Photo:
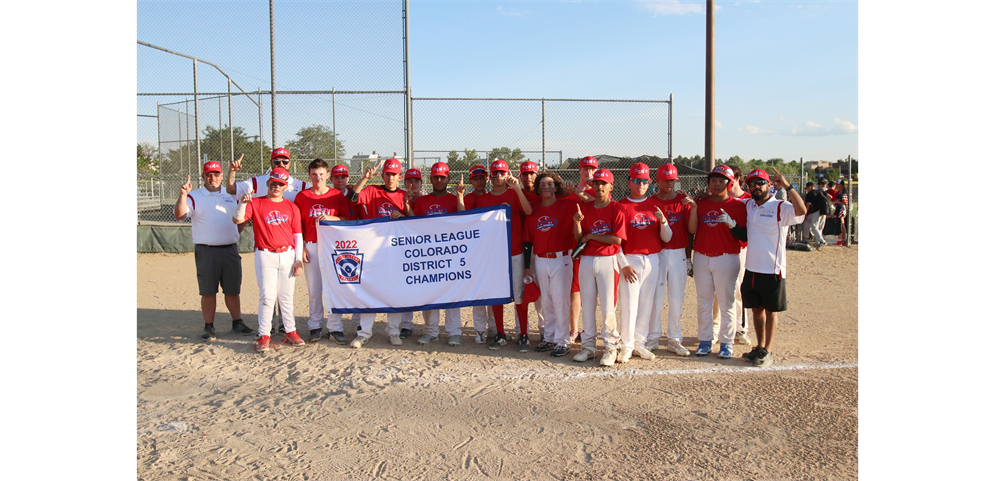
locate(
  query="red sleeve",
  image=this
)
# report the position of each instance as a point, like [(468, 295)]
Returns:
[(248, 208), (192, 202), (300, 208), (618, 222), (296, 224)]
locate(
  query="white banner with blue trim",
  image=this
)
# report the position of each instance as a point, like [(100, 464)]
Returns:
[(416, 263)]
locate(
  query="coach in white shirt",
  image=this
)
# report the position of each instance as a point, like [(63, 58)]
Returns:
[(215, 240), (257, 185), (763, 288)]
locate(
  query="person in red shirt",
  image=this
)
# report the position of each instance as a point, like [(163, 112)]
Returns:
[(601, 225), (716, 260), (647, 230), (582, 192), (527, 175), (276, 230), (340, 182), (440, 202), (548, 235), (319, 203), (505, 189), (483, 318), (675, 265)]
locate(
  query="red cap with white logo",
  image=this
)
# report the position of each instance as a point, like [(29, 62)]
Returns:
[(392, 166), (589, 162), (604, 175), (666, 172), (440, 168), (340, 170), (757, 174), (412, 174), (722, 170), (280, 176), (212, 166), (499, 165), (529, 166), (639, 170), (279, 153)]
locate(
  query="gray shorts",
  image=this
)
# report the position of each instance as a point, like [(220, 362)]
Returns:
[(218, 265)]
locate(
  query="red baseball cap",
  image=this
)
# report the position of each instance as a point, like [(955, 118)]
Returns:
[(279, 153), (666, 172), (440, 168), (340, 170), (280, 176), (529, 166), (412, 174), (212, 166), (478, 170), (499, 165), (724, 171), (639, 170), (757, 174), (392, 166), (589, 161), (604, 175)]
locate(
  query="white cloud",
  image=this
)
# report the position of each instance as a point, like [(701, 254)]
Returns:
[(844, 127), (810, 128), (752, 129), (674, 7), (510, 13), (719, 124)]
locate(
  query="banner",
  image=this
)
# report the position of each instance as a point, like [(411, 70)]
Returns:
[(416, 263)]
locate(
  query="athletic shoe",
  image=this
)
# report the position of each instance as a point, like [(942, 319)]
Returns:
[(742, 338), (674, 346), (454, 340), (395, 340), (405, 333), (481, 337), (358, 342), (764, 358), (337, 336), (294, 339), (750, 356), (545, 346), (239, 327), (315, 335), (608, 357), (704, 347), (427, 338), (499, 340), (725, 350), (624, 355), (584, 355), (262, 344), (645, 353), (560, 351), (652, 346), (523, 343), (209, 333)]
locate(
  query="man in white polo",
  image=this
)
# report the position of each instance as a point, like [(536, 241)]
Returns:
[(215, 241)]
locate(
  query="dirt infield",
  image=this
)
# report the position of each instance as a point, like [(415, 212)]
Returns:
[(324, 411)]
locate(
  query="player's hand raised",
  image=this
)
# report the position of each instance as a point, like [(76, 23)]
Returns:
[(579, 216), (659, 214), (568, 188), (236, 165), (779, 179), (460, 187), (246, 199), (725, 219), (186, 187)]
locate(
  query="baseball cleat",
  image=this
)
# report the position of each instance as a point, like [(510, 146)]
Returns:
[(499, 340), (652, 346), (609, 355), (742, 338), (405, 333), (725, 350), (337, 336), (545, 346), (674, 346), (523, 343), (262, 344), (294, 339), (764, 358), (750, 356), (624, 355), (584, 355), (358, 342), (704, 347), (645, 353), (315, 335), (209, 333), (560, 351), (454, 340), (239, 327), (427, 338), (395, 340), (481, 337)]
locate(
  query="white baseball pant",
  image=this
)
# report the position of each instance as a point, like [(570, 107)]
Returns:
[(637, 299), (672, 281), (366, 321), (400, 320), (316, 298), (482, 318), (738, 319), (597, 277), (276, 284), (715, 278), (454, 326), (554, 277)]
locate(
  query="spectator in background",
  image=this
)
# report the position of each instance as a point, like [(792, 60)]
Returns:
[(818, 207)]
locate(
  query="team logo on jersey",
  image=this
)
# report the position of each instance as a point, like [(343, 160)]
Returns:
[(601, 227), (436, 209), (348, 265), (544, 223), (275, 217), (641, 221), (673, 217), (318, 210), (385, 209), (711, 219)]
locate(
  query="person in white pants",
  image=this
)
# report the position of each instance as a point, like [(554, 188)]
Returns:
[(674, 263), (279, 252), (601, 224), (647, 229)]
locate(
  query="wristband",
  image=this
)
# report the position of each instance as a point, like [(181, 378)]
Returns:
[(788, 188)]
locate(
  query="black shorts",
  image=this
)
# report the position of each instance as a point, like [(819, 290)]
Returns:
[(218, 265), (768, 291)]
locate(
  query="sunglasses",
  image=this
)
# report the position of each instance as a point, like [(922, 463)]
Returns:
[(640, 181), (281, 161), (757, 182)]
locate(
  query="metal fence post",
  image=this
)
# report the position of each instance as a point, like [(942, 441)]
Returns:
[(231, 128), (196, 115), (335, 137), (158, 128), (272, 75), (543, 134), (259, 104), (221, 141), (408, 137), (670, 129)]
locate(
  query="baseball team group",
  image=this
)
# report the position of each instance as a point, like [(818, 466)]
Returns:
[(573, 249)]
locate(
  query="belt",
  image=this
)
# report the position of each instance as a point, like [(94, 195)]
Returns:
[(553, 255), (713, 254), (209, 245), (277, 250)]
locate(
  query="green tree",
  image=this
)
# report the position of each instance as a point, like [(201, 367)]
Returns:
[(148, 158), (215, 143), (512, 157), (452, 158), (316, 141)]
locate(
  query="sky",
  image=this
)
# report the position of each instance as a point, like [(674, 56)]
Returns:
[(785, 72)]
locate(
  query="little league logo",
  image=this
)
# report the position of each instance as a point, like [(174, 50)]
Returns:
[(348, 265), (641, 221), (385, 209), (601, 227), (436, 209), (673, 217), (275, 217), (318, 210), (711, 219), (544, 223)]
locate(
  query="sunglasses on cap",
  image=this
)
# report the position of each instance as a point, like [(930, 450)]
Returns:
[(640, 181), (756, 182)]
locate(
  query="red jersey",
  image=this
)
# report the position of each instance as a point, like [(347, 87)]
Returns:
[(550, 229), (470, 200), (589, 191), (375, 201), (608, 220), (677, 215), (431, 205), (530, 196), (273, 223), (510, 197), (713, 237), (312, 205), (643, 228)]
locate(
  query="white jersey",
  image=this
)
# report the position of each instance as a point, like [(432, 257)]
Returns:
[(257, 185), (210, 216), (767, 228)]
